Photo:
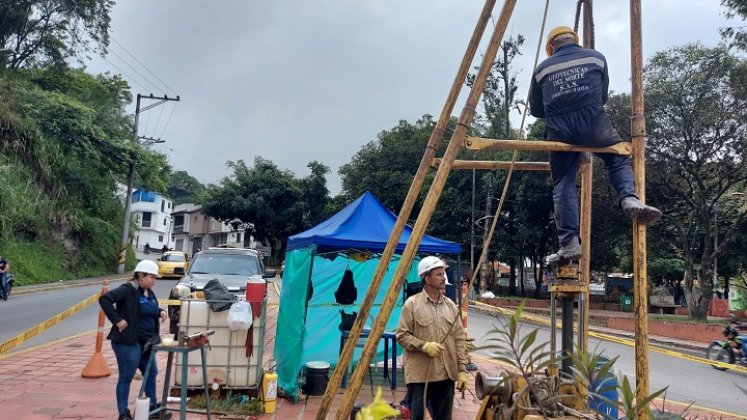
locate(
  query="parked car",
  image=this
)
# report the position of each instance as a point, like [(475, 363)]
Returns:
[(173, 264), (231, 266)]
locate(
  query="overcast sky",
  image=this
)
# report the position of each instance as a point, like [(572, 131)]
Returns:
[(296, 81)]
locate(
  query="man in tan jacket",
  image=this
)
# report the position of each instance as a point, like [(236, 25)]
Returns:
[(430, 332)]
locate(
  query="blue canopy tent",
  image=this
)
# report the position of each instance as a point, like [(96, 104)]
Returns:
[(315, 261)]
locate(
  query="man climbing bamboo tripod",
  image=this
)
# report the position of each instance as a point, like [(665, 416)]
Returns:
[(569, 90)]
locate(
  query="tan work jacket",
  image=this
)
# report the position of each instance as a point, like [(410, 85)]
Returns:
[(424, 320)]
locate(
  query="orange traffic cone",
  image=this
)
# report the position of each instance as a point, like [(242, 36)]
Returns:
[(96, 366)]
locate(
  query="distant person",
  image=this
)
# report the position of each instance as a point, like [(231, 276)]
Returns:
[(133, 311), (435, 355), (164, 249), (4, 267), (569, 90), (146, 248)]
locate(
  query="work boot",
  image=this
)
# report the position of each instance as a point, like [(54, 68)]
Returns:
[(633, 208), (569, 251), (125, 416)]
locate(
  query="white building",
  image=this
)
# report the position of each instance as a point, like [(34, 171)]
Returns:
[(151, 214)]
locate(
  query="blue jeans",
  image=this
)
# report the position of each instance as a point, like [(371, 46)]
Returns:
[(130, 357), (564, 168), (589, 126), (4, 285)]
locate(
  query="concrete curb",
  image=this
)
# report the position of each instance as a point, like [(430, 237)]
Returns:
[(66, 284), (697, 349)]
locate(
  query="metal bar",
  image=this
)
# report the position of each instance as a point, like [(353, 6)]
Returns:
[(567, 338), (455, 144), (496, 165), (417, 184), (640, 280), (478, 143)]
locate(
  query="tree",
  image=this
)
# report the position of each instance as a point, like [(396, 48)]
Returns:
[(52, 31), (315, 194), (735, 34), (697, 123), (267, 197), (387, 166), (184, 188)]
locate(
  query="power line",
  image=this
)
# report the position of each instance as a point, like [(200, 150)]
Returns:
[(173, 108), (144, 66), (158, 121), (135, 70), (125, 74)]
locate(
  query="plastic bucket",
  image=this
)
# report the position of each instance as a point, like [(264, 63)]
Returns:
[(256, 289), (606, 386), (317, 376)]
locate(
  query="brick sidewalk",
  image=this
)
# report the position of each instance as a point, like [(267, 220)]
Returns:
[(44, 383)]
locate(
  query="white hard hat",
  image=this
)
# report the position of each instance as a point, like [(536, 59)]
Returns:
[(147, 267), (429, 263)]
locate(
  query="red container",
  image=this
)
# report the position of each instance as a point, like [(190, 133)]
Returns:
[(256, 290)]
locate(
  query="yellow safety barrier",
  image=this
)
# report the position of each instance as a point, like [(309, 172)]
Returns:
[(37, 329), (620, 340)]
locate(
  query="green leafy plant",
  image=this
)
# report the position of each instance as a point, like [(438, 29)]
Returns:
[(591, 372)]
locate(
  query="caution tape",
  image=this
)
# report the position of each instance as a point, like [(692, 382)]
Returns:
[(623, 341), (174, 302), (39, 328)]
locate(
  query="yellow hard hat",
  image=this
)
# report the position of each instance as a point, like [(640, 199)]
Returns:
[(560, 30)]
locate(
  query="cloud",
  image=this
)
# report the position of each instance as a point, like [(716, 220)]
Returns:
[(300, 81)]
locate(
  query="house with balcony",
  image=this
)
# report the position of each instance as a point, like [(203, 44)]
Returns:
[(194, 231), (151, 213)]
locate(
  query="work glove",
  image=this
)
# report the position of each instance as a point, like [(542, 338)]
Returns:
[(377, 410), (432, 348), (462, 381)]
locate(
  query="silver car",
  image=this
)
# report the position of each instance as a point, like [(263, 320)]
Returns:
[(231, 266)]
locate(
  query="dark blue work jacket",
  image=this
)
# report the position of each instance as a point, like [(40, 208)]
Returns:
[(569, 90)]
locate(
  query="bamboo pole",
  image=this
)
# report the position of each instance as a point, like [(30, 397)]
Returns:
[(587, 180), (404, 214), (477, 143), (455, 143), (496, 165), (638, 128)]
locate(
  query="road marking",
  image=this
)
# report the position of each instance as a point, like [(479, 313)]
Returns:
[(618, 340), (39, 328), (43, 345)]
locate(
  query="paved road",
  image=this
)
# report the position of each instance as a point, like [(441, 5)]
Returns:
[(688, 381), (23, 311)]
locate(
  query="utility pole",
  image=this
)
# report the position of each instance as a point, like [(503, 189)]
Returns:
[(131, 174)]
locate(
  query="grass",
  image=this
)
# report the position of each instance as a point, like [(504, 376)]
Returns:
[(240, 404)]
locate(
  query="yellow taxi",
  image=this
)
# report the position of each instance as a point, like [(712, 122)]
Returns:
[(173, 264)]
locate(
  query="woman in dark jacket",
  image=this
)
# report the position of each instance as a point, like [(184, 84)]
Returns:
[(133, 311)]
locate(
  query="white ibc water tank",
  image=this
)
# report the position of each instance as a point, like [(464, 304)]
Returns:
[(227, 364)]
